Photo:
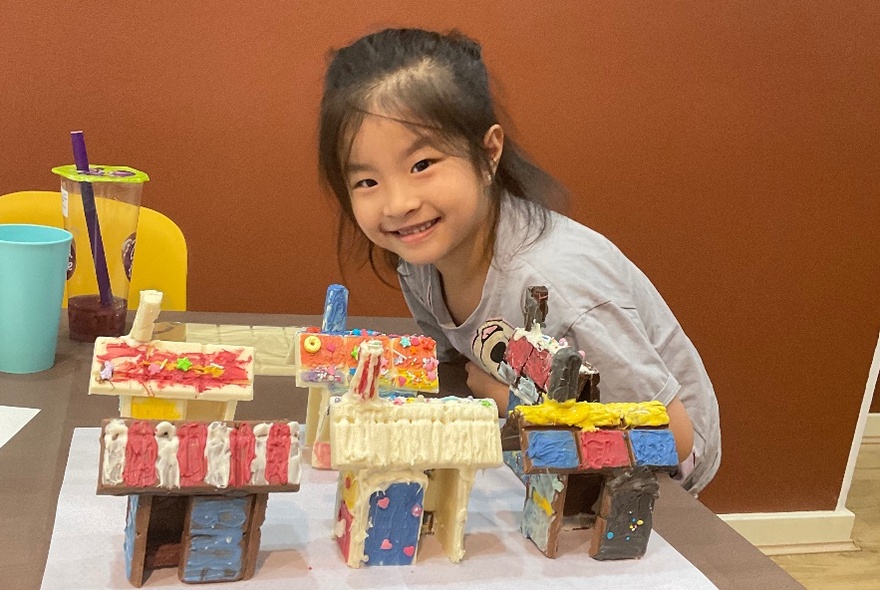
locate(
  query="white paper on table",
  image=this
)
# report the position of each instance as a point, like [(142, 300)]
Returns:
[(13, 419), (297, 550)]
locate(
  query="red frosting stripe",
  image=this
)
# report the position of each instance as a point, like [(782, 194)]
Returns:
[(141, 450), (277, 453), (241, 445), (191, 453)]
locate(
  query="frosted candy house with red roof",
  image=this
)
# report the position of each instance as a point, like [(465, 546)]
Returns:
[(157, 379), (326, 358)]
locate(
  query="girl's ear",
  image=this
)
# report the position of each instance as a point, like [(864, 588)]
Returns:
[(493, 142)]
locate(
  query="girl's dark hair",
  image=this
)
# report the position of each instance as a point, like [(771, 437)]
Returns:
[(437, 85)]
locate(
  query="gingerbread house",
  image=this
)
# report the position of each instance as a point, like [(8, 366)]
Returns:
[(585, 464), (325, 359), (197, 491), (573, 450), (406, 466), (155, 379)]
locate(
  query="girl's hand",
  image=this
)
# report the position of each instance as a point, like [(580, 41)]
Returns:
[(482, 384)]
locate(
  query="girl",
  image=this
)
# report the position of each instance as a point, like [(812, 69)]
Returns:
[(411, 147)]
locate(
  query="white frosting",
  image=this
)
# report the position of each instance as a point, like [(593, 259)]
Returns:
[(412, 432), (294, 459), (115, 439), (167, 466), (537, 338), (258, 465), (218, 455)]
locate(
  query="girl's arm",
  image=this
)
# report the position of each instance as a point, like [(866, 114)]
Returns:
[(482, 384), (681, 427)]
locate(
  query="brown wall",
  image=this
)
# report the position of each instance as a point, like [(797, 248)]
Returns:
[(730, 151)]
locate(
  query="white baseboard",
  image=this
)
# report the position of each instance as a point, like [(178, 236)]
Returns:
[(872, 430), (779, 533)]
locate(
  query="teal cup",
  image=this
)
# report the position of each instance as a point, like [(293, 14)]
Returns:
[(33, 269)]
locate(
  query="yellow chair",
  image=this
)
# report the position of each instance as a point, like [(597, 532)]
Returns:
[(160, 260)]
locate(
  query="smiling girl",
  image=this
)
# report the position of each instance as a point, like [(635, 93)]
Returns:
[(411, 147)]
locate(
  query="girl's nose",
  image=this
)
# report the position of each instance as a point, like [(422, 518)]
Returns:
[(400, 200)]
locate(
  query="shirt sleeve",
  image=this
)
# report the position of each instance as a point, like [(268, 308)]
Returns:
[(616, 343), (427, 322)]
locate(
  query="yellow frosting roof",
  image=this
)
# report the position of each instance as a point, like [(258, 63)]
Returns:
[(590, 416)]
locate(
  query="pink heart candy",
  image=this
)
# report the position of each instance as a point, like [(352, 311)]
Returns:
[(409, 550), (386, 544), (401, 380), (384, 502)]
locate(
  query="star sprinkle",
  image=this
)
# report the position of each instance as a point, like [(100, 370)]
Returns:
[(184, 363)]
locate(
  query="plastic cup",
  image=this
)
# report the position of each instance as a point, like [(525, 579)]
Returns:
[(33, 260), (117, 195)]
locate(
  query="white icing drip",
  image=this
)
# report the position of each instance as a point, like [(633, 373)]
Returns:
[(537, 338), (294, 459), (258, 466), (166, 460), (218, 455), (115, 439)]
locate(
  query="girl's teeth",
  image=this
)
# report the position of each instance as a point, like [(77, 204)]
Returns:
[(417, 229)]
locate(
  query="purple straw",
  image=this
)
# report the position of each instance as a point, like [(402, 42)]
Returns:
[(91, 212)]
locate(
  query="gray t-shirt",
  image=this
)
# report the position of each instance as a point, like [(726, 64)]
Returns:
[(599, 301)]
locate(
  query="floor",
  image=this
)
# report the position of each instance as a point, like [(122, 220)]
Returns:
[(853, 570)]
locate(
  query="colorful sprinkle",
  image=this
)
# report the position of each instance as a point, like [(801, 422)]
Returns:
[(107, 371), (384, 502), (184, 363), (405, 341), (386, 544)]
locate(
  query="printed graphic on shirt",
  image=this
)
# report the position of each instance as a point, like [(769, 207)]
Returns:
[(489, 344)]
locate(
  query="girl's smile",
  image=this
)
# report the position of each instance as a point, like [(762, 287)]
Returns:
[(412, 233)]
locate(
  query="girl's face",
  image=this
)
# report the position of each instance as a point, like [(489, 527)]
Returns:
[(423, 204)]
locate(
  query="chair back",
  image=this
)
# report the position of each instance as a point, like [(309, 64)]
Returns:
[(160, 260)]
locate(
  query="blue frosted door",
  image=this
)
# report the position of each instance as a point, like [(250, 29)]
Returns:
[(213, 551), (396, 517)]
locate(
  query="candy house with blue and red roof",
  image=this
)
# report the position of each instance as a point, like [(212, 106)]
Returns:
[(585, 464)]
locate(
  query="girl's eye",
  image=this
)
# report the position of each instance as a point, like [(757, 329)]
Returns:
[(365, 183), (421, 165)]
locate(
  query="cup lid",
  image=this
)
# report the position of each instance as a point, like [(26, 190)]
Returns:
[(102, 174)]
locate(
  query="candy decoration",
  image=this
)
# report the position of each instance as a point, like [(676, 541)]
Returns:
[(365, 382)]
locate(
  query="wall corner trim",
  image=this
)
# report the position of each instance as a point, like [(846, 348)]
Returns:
[(780, 533)]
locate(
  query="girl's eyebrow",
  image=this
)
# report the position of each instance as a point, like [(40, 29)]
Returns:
[(417, 144)]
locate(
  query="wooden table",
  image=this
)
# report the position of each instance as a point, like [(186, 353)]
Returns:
[(32, 463)]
